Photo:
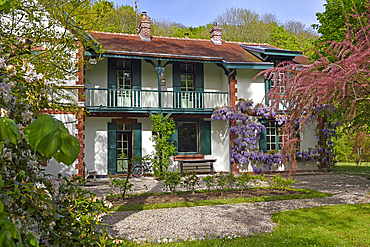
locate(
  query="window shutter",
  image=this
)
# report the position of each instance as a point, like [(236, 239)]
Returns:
[(136, 80), (205, 137), (263, 139), (137, 139), (112, 73), (174, 138), (112, 148), (176, 77), (199, 77)]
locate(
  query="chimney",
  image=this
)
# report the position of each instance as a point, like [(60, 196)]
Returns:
[(144, 28), (216, 34)]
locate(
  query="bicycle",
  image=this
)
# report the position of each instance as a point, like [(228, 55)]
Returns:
[(140, 169)]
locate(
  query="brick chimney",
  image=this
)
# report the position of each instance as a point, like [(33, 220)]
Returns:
[(144, 28), (216, 34)]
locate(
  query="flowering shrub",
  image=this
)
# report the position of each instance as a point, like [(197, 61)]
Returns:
[(248, 130)]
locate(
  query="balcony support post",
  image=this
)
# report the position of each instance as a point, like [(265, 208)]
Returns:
[(159, 70)]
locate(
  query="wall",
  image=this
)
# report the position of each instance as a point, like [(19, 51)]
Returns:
[(146, 133), (215, 79), (220, 146), (309, 137), (247, 89), (97, 76), (53, 167), (96, 144)]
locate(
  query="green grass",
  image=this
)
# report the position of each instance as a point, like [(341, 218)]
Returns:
[(349, 168), (308, 194), (340, 225)]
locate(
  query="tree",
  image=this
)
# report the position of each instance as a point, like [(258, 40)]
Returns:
[(38, 48), (335, 89), (245, 25)]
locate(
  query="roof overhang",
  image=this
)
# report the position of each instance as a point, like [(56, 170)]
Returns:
[(272, 51), (183, 58)]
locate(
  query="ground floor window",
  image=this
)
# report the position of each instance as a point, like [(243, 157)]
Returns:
[(188, 137), (271, 135)]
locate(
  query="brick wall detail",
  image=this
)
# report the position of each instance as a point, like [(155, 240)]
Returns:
[(233, 98)]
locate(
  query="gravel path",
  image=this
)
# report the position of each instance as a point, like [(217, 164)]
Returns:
[(226, 220)]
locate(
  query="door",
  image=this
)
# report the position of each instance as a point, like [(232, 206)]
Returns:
[(124, 142)]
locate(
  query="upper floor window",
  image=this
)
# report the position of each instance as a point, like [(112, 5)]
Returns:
[(124, 74), (187, 77)]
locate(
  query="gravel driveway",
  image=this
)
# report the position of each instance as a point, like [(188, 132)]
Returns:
[(242, 219)]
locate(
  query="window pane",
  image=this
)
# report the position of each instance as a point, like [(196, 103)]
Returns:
[(119, 63), (119, 127), (128, 64), (189, 67), (120, 73), (188, 137)]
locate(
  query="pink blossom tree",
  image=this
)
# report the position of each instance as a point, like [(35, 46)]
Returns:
[(340, 79)]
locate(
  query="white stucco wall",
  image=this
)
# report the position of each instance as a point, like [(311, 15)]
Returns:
[(97, 76), (96, 144), (220, 146), (149, 78), (215, 79), (53, 167), (246, 89), (146, 133), (309, 137)]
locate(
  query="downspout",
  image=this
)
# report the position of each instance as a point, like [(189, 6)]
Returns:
[(229, 103)]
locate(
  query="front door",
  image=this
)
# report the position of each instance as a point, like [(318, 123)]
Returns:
[(124, 142)]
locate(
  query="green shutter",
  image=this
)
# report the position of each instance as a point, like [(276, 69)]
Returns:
[(205, 137), (263, 139), (176, 77), (199, 77), (136, 80), (176, 83), (112, 148), (137, 139), (112, 73), (175, 138)]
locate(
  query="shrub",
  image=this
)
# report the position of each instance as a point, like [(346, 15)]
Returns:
[(190, 181), (243, 180), (210, 181), (171, 180), (278, 182)]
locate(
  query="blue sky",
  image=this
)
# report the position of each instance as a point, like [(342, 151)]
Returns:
[(200, 12)]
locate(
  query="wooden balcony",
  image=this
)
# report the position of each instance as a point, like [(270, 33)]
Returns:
[(136, 100)]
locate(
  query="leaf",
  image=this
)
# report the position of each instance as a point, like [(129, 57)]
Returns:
[(69, 150), (32, 240), (9, 130), (43, 126), (51, 138), (1, 207), (58, 216)]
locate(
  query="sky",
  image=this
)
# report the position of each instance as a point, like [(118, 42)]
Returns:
[(200, 12)]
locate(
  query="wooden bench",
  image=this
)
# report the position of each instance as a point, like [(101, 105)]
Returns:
[(196, 164)]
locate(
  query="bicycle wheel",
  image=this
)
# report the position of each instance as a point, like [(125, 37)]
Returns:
[(138, 171)]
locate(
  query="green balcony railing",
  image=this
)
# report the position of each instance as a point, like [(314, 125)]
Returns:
[(148, 99)]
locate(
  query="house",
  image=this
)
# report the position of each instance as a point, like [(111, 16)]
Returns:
[(140, 75)]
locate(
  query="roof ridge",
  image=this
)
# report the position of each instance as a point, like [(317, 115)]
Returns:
[(179, 38)]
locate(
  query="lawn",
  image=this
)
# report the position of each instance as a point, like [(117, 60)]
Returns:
[(349, 168), (340, 225)]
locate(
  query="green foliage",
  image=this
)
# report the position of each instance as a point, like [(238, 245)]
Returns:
[(191, 180), (243, 181), (278, 182), (162, 129), (123, 185), (231, 180), (222, 182), (210, 181), (171, 180)]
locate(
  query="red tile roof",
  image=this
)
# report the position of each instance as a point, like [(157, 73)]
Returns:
[(169, 47)]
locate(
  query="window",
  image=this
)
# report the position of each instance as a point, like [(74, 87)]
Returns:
[(274, 137), (271, 135), (124, 75), (192, 137), (187, 77), (188, 137), (123, 146)]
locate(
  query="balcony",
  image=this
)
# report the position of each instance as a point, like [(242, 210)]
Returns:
[(136, 100)]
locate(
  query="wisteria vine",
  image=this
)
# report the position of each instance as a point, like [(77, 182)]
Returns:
[(248, 131)]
